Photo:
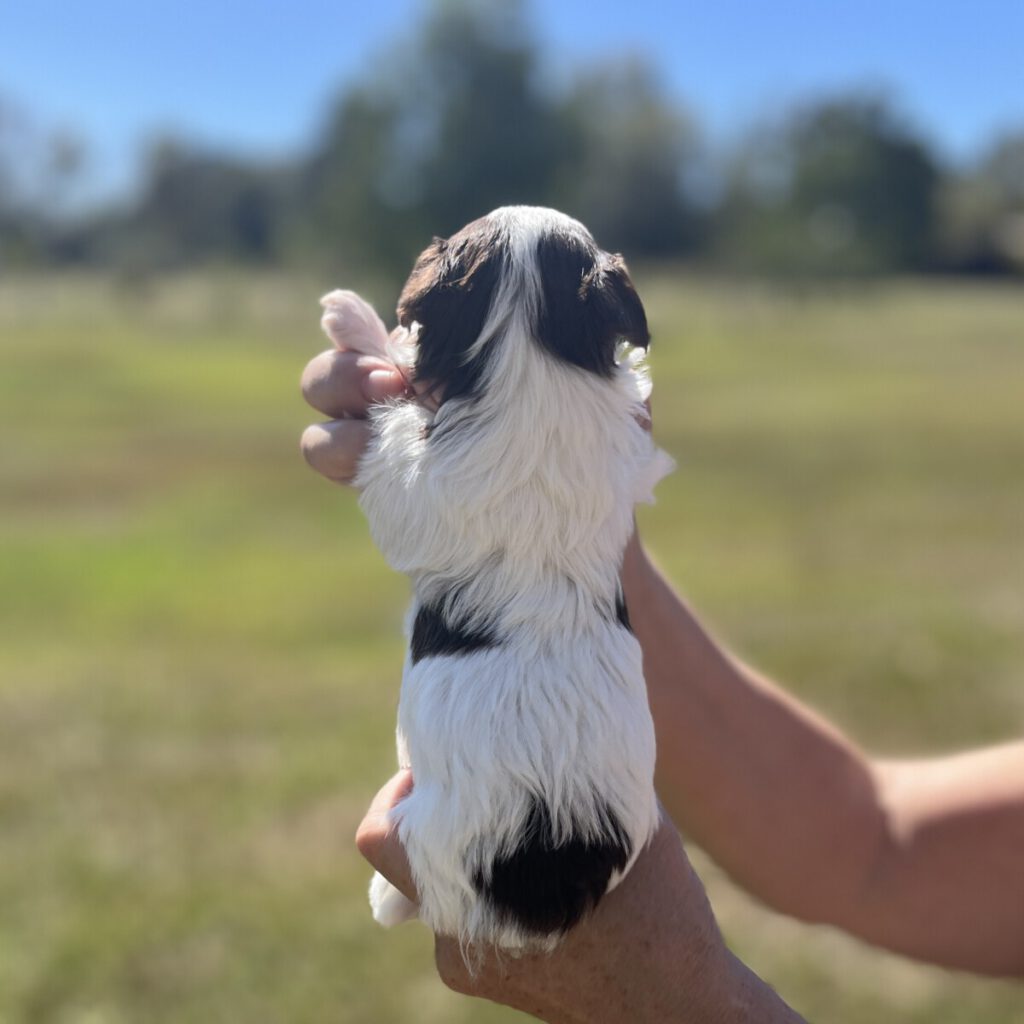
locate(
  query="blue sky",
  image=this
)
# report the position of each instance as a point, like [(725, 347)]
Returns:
[(257, 76)]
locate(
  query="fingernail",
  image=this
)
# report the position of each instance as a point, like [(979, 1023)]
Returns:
[(382, 384)]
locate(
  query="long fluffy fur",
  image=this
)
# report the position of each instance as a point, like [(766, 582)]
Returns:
[(526, 724)]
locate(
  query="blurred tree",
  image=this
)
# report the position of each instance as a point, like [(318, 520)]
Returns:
[(197, 207), (21, 236), (498, 138), (841, 187), (464, 116), (460, 121), (454, 125), (357, 210), (630, 151), (64, 162), (983, 212), (17, 145)]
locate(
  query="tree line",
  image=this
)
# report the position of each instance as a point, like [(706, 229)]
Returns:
[(463, 118)]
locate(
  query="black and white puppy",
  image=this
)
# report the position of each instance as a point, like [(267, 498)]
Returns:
[(508, 502)]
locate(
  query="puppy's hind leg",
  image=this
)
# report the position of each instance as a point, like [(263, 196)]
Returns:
[(389, 906)]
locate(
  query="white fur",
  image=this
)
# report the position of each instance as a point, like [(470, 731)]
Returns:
[(527, 506)]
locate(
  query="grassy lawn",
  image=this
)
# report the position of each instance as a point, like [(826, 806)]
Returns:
[(200, 651)]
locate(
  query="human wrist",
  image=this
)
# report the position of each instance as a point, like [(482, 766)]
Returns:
[(717, 988), (751, 1000), (636, 567)]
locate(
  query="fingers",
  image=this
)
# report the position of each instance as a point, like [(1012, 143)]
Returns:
[(347, 383), (378, 842), (334, 448), (344, 385)]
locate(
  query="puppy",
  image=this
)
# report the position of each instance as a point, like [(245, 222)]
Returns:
[(504, 488)]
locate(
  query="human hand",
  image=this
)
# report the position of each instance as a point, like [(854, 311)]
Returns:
[(651, 951), (343, 385)]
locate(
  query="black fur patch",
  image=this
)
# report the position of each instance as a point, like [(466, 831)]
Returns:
[(621, 611), (432, 634), (544, 888), (589, 303), (449, 294)]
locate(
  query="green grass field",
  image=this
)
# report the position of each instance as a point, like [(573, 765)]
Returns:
[(200, 651)]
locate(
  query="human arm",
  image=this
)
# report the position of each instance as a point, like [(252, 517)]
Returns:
[(925, 858), (650, 952)]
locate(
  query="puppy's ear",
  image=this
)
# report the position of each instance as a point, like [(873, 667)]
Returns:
[(590, 305), (449, 294), (610, 298), (427, 272)]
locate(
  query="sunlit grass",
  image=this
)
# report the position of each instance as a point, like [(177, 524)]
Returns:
[(200, 651)]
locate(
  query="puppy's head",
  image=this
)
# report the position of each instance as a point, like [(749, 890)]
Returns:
[(525, 262)]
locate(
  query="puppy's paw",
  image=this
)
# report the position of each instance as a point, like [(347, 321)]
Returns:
[(353, 325)]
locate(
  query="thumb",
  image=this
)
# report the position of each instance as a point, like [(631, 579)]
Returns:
[(377, 840)]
